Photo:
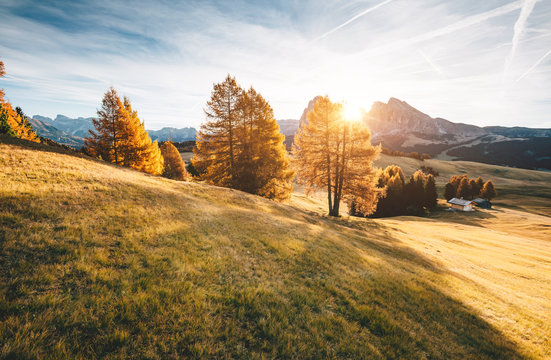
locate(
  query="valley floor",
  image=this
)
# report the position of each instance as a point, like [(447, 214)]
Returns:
[(99, 261)]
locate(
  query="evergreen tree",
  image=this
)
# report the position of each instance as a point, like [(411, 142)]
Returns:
[(336, 155), (464, 189), (488, 191), (174, 165), (430, 193), (215, 151), (449, 191), (13, 122)]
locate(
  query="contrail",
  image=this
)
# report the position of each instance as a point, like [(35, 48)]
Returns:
[(365, 12), (534, 66), (519, 27), (431, 63)]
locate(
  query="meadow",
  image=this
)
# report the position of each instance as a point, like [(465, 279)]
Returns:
[(102, 261)]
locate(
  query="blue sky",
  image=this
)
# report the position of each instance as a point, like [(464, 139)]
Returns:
[(479, 62)]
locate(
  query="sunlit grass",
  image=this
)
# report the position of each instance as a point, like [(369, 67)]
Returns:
[(100, 261)]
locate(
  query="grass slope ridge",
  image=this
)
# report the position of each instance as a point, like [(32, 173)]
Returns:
[(101, 261)]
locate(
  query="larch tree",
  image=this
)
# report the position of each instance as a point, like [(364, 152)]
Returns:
[(120, 137), (215, 150), (139, 151), (479, 185), (12, 122), (449, 191), (174, 165), (431, 196), (262, 164), (240, 145), (464, 188), (334, 154), (488, 191), (108, 139)]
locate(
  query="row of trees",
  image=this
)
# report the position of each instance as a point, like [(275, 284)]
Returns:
[(463, 187), (14, 122), (240, 146), (413, 154), (399, 197)]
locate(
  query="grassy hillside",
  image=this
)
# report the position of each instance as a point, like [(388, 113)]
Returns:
[(100, 261)]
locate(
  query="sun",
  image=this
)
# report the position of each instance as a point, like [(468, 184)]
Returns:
[(353, 112)]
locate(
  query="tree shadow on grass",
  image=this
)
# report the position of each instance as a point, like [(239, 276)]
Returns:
[(345, 292)]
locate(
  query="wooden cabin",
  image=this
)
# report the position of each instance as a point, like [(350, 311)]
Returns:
[(461, 204)]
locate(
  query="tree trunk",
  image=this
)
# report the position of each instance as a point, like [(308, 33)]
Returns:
[(232, 170), (328, 155)]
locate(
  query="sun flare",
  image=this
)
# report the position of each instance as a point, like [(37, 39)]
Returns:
[(353, 112)]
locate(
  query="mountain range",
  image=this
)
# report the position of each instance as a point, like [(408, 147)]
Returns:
[(395, 125), (71, 132)]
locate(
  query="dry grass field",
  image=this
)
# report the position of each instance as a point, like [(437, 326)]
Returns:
[(101, 261)]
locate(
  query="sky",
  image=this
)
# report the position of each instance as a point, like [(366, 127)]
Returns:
[(471, 61)]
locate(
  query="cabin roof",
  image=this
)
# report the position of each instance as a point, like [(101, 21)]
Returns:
[(480, 201), (461, 202)]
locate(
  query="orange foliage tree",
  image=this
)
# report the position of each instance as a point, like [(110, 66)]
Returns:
[(240, 146), (174, 165), (334, 154), (120, 137), (12, 122)]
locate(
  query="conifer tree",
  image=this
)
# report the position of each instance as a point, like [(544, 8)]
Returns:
[(120, 137), (12, 122), (449, 191), (138, 150), (473, 188), (464, 189), (479, 185), (431, 196), (240, 145), (262, 163), (488, 191), (174, 165), (215, 150), (108, 139), (415, 191), (336, 155)]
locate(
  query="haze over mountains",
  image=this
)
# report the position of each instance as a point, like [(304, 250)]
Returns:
[(395, 125), (71, 132)]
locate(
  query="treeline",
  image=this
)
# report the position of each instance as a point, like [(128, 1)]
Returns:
[(463, 187), (413, 155), (399, 197), (240, 146)]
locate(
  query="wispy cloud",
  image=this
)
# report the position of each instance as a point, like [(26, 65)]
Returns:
[(61, 58)]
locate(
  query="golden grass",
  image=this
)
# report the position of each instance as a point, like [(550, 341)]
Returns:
[(100, 261)]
